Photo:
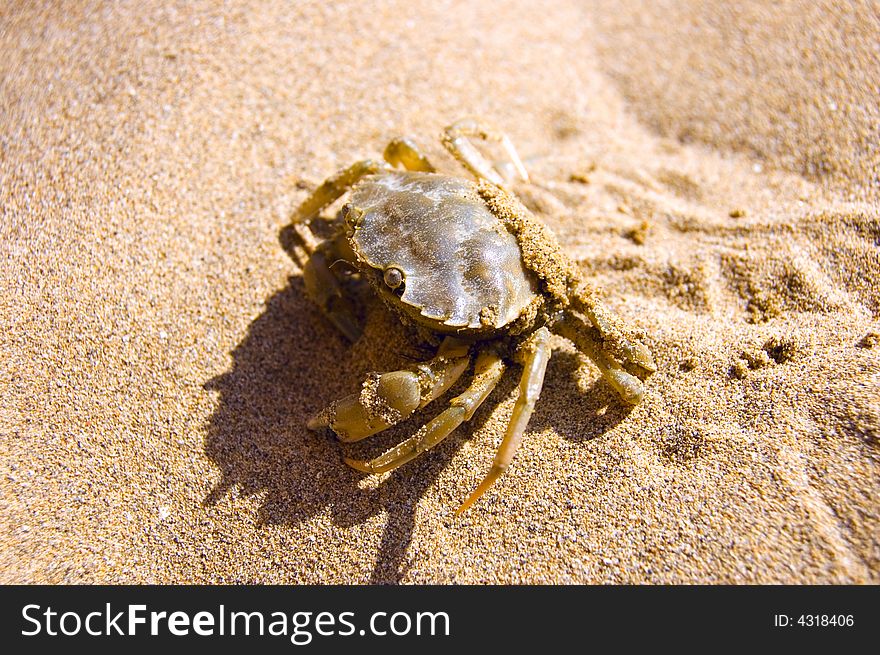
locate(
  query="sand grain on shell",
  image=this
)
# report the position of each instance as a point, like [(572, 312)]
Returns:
[(159, 359)]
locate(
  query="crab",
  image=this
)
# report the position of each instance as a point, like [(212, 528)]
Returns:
[(474, 273)]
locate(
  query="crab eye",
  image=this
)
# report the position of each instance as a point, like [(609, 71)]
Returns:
[(393, 277), (352, 216)]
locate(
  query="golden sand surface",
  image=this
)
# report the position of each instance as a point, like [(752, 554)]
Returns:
[(713, 171)]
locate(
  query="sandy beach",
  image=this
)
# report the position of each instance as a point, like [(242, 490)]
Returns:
[(714, 171)]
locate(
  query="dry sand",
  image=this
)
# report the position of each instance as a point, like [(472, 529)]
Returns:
[(714, 171)]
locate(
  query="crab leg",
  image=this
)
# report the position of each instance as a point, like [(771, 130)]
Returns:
[(487, 371), (627, 385), (387, 398), (614, 338), (404, 151), (536, 356), (323, 286), (333, 188), (457, 140)]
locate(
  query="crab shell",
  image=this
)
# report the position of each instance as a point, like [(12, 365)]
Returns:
[(462, 268)]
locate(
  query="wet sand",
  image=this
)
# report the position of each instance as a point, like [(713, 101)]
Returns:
[(715, 174)]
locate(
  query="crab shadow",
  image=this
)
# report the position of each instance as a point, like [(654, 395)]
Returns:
[(279, 378)]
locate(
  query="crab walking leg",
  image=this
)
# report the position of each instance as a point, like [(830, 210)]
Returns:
[(627, 385), (333, 188), (457, 140), (387, 398), (628, 350), (487, 371), (405, 152), (323, 287), (537, 356)]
